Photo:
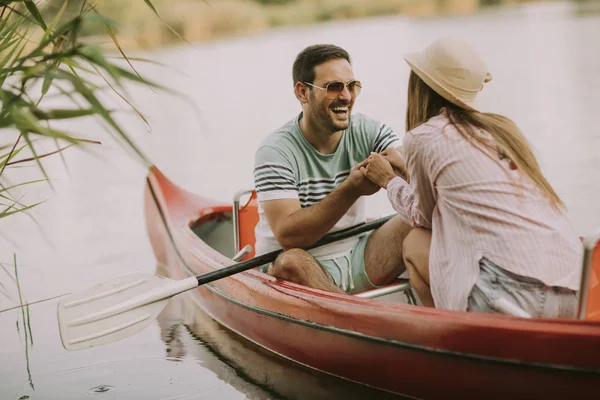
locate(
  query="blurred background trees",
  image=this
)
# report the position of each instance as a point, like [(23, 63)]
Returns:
[(198, 20)]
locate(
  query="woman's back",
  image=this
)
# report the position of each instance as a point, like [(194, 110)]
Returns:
[(494, 229), (481, 206)]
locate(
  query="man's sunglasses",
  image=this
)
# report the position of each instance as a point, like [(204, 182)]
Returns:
[(335, 88)]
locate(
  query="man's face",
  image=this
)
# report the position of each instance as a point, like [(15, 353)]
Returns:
[(331, 114)]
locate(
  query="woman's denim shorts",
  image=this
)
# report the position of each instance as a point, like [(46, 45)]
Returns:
[(500, 291)]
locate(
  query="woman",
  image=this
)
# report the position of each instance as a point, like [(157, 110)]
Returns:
[(500, 240)]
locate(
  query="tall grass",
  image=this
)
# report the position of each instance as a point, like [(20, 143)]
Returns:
[(26, 323), (38, 57), (42, 55)]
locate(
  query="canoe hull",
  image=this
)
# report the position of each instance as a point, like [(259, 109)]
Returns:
[(402, 349)]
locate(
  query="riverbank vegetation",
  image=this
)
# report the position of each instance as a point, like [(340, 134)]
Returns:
[(198, 20), (43, 59)]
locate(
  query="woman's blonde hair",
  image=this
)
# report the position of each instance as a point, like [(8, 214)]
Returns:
[(424, 103)]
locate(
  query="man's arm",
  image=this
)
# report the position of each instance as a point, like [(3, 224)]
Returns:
[(296, 227)]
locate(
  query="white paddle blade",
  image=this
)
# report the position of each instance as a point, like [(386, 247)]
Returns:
[(116, 309)]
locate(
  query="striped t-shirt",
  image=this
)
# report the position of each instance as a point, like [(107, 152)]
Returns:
[(287, 166)]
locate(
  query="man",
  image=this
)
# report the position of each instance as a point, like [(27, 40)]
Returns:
[(307, 183)]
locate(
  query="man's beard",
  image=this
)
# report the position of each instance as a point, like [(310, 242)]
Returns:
[(325, 119)]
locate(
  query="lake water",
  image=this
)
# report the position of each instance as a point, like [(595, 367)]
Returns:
[(545, 59)]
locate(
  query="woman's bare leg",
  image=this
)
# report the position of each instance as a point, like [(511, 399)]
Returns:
[(415, 251)]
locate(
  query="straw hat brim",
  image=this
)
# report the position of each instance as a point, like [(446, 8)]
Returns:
[(413, 61)]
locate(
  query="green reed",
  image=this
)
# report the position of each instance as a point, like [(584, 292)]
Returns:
[(42, 56), (38, 57), (27, 334)]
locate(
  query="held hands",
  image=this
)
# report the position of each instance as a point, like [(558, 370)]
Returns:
[(394, 156), (382, 168), (360, 184), (378, 169)]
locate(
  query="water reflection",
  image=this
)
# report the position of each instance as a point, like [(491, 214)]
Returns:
[(101, 389), (189, 332), (134, 368)]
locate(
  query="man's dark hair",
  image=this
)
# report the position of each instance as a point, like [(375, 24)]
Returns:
[(310, 57)]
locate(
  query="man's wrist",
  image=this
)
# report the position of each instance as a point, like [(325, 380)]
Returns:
[(348, 190)]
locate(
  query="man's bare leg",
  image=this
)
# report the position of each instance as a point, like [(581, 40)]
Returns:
[(416, 258), (299, 266), (383, 253)]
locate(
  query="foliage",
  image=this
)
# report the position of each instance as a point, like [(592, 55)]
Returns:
[(40, 58)]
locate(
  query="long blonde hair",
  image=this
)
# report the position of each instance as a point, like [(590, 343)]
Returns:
[(424, 103)]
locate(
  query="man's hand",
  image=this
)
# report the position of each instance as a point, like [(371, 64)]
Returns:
[(359, 182), (379, 170), (361, 164)]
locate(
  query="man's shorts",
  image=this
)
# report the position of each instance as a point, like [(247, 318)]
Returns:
[(348, 271)]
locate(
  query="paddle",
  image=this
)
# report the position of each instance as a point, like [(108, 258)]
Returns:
[(124, 306)]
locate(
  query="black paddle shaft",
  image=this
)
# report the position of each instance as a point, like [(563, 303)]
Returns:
[(270, 257)]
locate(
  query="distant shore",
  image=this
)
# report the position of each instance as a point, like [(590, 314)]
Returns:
[(200, 20)]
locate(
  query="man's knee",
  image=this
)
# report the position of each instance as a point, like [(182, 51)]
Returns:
[(288, 265)]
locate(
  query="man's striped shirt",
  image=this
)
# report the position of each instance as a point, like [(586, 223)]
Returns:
[(287, 166)]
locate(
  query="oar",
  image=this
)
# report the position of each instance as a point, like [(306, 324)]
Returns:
[(124, 306)]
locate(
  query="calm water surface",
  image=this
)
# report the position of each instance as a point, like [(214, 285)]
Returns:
[(545, 60)]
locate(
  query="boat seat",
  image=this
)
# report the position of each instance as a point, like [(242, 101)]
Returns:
[(245, 218), (400, 285), (589, 294)]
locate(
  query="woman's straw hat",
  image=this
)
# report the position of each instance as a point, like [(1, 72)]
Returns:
[(453, 69)]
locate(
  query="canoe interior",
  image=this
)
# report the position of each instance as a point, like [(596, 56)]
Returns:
[(216, 230)]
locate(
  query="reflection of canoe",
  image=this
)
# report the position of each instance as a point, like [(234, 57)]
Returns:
[(189, 332), (396, 347)]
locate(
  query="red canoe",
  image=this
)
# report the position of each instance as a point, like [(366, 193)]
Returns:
[(393, 346)]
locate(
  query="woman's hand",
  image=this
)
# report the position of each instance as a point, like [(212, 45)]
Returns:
[(396, 159), (378, 170), (394, 156)]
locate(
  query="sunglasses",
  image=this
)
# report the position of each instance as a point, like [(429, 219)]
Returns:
[(335, 88)]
